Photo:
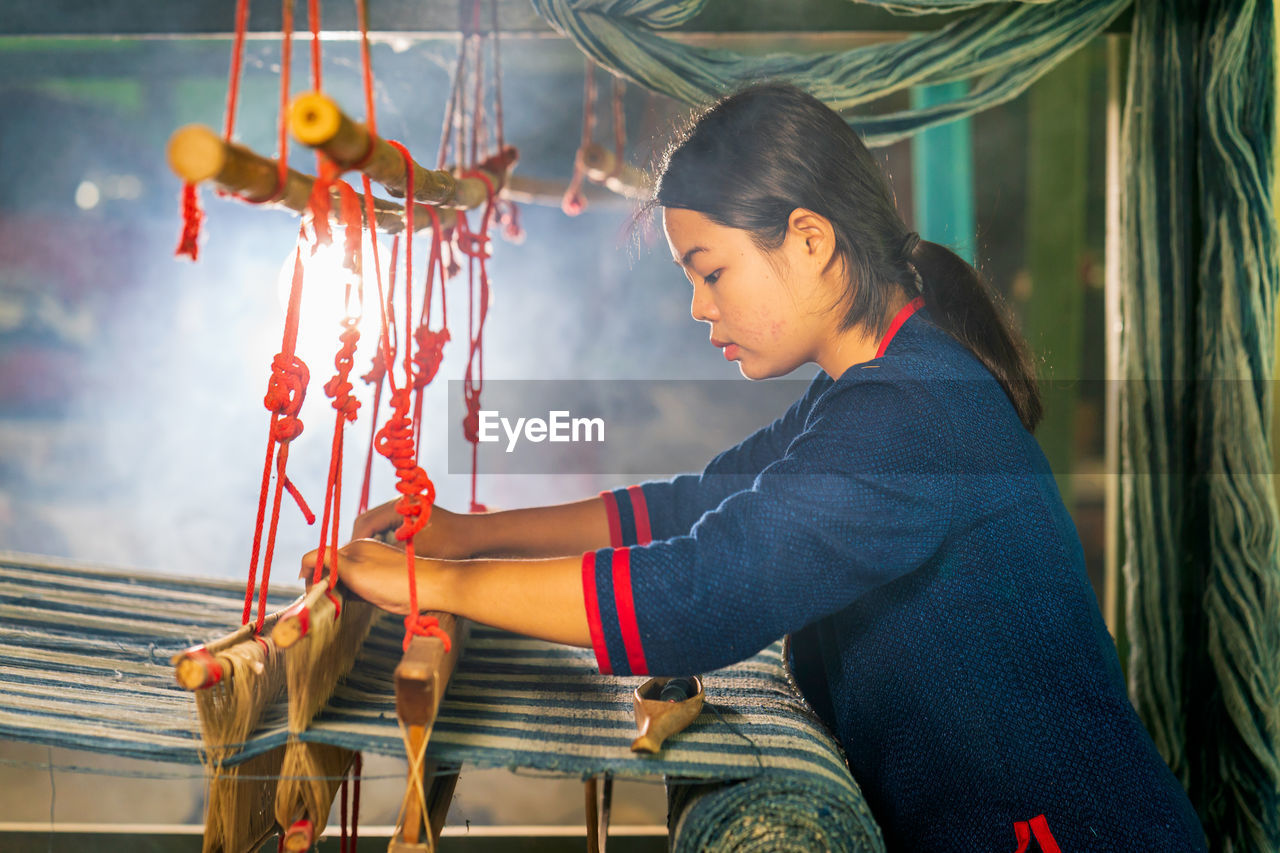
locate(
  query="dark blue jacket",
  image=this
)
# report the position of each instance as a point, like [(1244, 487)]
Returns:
[(905, 529)]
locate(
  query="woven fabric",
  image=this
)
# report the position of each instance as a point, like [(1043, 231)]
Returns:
[(1005, 48), (1198, 287), (84, 663)]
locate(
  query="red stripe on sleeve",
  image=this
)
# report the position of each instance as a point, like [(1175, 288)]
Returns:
[(593, 612), (627, 611), (641, 510), (907, 310), (615, 522)]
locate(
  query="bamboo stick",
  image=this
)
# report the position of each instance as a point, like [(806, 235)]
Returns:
[(196, 667), (197, 154), (317, 121), (294, 621), (602, 167)]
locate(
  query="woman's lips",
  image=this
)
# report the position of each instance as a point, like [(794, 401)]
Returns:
[(731, 352)]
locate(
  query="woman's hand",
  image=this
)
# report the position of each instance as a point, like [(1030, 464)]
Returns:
[(443, 537), (375, 572)]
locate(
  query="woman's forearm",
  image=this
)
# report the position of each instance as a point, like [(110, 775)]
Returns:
[(539, 598), (545, 531)]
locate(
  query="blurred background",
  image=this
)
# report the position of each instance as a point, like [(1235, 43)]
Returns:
[(131, 382)]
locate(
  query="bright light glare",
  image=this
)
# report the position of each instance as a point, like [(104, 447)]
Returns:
[(87, 195), (323, 290)]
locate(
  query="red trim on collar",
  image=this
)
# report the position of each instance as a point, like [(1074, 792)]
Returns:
[(907, 310)]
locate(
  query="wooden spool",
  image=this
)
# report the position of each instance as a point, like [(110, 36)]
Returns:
[(657, 720)]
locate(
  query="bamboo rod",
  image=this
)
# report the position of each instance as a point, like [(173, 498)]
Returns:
[(602, 167), (295, 621), (197, 154), (317, 121)]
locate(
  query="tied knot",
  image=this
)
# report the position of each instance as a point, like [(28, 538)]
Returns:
[(909, 244), (422, 625), (471, 243), (471, 421), (285, 391), (377, 368), (339, 387), (418, 493), (429, 355)]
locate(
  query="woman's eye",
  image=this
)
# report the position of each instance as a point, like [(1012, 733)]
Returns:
[(713, 277)]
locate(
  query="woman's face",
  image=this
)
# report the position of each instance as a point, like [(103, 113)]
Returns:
[(767, 312)]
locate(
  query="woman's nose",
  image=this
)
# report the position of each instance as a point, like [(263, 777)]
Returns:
[(702, 308)]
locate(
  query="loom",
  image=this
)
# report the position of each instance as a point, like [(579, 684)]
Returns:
[(760, 765), (1200, 103)]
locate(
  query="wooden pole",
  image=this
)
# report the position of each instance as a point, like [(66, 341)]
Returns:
[(197, 154), (602, 167), (317, 121)]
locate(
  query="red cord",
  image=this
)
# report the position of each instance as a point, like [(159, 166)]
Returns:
[(286, 390), (476, 246), (313, 19), (574, 202), (339, 387), (384, 357), (286, 62), (619, 126), (237, 61), (395, 439), (192, 215)]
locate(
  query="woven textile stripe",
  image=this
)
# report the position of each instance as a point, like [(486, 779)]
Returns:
[(1006, 47), (84, 663)]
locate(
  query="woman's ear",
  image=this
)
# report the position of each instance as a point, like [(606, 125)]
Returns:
[(814, 237)]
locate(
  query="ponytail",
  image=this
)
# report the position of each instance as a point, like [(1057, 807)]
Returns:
[(965, 306)]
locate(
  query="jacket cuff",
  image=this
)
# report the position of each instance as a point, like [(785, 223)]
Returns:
[(611, 611), (628, 517)]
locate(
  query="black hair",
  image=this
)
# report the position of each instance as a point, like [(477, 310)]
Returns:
[(755, 156)]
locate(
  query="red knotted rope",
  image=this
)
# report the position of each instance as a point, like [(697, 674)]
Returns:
[(382, 361), (475, 245), (430, 344), (286, 390), (574, 202), (395, 440), (339, 387), (192, 215)]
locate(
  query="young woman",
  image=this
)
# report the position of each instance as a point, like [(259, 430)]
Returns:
[(899, 522)]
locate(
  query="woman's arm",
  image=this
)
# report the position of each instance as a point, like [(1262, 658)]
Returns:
[(539, 598), (545, 531)]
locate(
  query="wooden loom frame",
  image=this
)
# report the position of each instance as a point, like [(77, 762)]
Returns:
[(197, 154)]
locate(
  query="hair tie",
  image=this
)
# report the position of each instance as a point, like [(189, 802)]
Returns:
[(909, 244)]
